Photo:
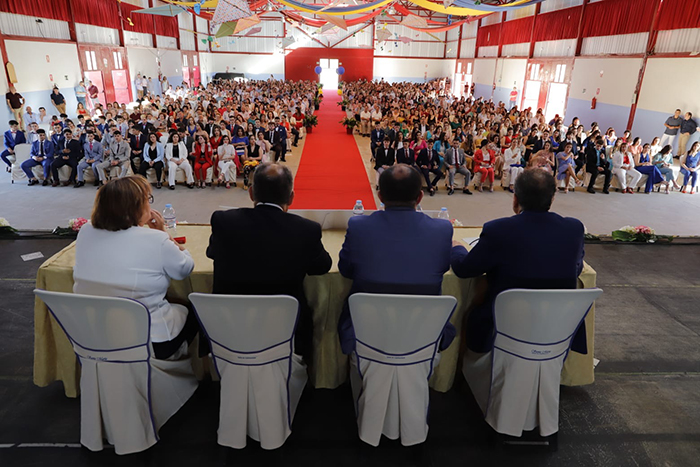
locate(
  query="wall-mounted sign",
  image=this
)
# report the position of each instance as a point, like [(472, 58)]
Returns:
[(51, 78), (48, 59)]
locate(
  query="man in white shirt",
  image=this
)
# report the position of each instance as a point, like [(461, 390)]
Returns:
[(139, 86), (29, 116)]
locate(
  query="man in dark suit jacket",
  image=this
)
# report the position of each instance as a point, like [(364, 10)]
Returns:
[(428, 161), (277, 248), (13, 137), (41, 154), (376, 137), (137, 141), (67, 152), (384, 158), (395, 251), (535, 249), (189, 143), (277, 136), (405, 155), (597, 163)]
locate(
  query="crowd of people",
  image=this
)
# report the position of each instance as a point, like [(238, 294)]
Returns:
[(214, 134), (442, 136)]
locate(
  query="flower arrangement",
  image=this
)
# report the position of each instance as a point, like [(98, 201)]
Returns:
[(6, 228), (76, 224), (348, 122), (641, 234), (310, 120)]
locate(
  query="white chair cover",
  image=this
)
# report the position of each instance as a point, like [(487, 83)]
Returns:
[(126, 396), (22, 153), (397, 339), (252, 341), (517, 383)]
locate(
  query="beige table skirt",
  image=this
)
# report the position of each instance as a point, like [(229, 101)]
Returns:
[(54, 359)]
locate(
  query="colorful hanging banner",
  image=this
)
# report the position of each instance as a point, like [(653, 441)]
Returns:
[(339, 11)]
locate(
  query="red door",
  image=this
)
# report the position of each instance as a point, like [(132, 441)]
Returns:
[(96, 78), (122, 93), (186, 76), (195, 76)]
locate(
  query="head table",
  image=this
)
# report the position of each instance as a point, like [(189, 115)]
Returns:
[(54, 359)]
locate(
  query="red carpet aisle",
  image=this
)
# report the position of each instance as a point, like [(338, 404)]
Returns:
[(331, 173)]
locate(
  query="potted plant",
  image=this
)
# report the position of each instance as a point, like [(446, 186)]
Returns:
[(349, 124), (343, 104), (317, 102), (310, 121)]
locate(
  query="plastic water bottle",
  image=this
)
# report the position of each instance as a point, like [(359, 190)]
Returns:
[(443, 214), (381, 206), (359, 209), (170, 220), (419, 209)]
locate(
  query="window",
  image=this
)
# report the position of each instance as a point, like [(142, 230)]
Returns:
[(469, 68), (560, 73), (194, 60), (184, 60), (535, 72), (88, 61)]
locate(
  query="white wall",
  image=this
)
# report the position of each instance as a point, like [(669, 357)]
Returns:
[(143, 61), (617, 84), (509, 73), (412, 69), (660, 96), (253, 66), (33, 75)]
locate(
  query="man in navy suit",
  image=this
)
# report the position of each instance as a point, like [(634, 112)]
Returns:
[(397, 250), (428, 161), (137, 141), (13, 137), (535, 249), (67, 152), (41, 154), (376, 137)]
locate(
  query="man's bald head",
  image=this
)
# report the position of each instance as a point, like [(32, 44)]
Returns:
[(400, 185), (273, 183)]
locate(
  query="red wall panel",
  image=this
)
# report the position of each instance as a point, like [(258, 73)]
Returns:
[(104, 13), (679, 14), (517, 31), (299, 64), (557, 25), (50, 9), (614, 17), (488, 35)]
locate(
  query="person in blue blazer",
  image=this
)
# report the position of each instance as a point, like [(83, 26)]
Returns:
[(535, 249), (13, 137), (42, 153), (395, 251), (153, 157), (92, 150)]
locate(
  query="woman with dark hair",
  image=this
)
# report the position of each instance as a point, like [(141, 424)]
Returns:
[(643, 164), (689, 168), (250, 160), (663, 160), (202, 153), (566, 166), (227, 163), (153, 156), (543, 159), (126, 234)]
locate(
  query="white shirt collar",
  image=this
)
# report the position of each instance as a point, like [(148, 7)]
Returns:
[(271, 204)]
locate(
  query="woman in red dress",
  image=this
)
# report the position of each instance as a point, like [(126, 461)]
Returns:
[(202, 153)]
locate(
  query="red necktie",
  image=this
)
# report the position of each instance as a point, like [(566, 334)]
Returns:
[(90, 145)]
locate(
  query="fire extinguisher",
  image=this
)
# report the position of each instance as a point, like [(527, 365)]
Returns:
[(594, 101)]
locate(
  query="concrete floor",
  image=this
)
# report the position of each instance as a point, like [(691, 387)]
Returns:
[(643, 410), (675, 214)]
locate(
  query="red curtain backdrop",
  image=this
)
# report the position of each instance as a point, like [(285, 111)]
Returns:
[(614, 17), (104, 13), (165, 26), (488, 35), (557, 25), (679, 14), (51, 9), (299, 64), (142, 23), (517, 31)]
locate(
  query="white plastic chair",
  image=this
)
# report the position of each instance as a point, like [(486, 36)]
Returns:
[(396, 351), (252, 341), (22, 153), (126, 395), (517, 383)]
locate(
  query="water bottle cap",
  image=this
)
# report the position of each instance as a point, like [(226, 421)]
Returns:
[(443, 209), (359, 201), (168, 205)]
